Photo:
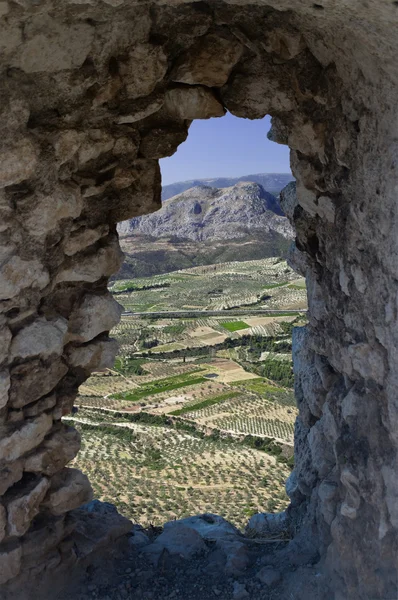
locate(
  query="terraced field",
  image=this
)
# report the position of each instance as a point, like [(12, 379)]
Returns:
[(197, 414), (155, 474), (266, 283)]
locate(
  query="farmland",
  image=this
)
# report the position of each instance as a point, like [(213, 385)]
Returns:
[(197, 414)]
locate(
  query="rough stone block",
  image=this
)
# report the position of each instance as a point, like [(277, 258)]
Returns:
[(45, 535), (36, 408), (41, 214), (10, 474), (10, 561), (3, 522), (208, 62), (139, 190), (267, 524), (5, 341), (145, 66), (182, 541), (17, 162), (95, 315), (51, 46), (34, 379), (84, 237), (16, 442), (193, 103), (69, 489), (23, 505), (102, 263), (55, 452), (40, 338), (162, 142), (17, 275), (5, 383), (269, 576), (96, 356)]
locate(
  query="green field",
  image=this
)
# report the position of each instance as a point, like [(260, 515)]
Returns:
[(204, 403), (235, 325), (159, 386)]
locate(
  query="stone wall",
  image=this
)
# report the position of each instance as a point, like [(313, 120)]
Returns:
[(94, 93)]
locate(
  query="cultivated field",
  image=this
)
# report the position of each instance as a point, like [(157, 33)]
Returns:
[(155, 474), (198, 413)]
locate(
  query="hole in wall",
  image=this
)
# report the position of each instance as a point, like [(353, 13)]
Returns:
[(197, 285)]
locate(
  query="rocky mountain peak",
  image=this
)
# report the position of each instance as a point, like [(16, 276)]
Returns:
[(209, 213)]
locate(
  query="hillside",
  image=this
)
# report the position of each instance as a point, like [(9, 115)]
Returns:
[(208, 213), (273, 182), (192, 228)]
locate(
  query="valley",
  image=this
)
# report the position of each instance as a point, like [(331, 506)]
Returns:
[(197, 414)]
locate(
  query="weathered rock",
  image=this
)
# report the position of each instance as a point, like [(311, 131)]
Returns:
[(140, 189), (95, 315), (103, 263), (267, 524), (140, 113), (249, 94), (182, 541), (16, 442), (84, 237), (159, 143), (95, 143), (4, 386), (10, 561), (239, 592), (50, 46), (3, 522), (145, 67), (17, 275), (10, 474), (293, 490), (193, 103), (226, 536), (40, 338), (138, 539), (269, 576), (36, 408), (17, 162), (208, 62), (96, 356), (98, 525), (41, 214), (55, 452), (34, 379), (45, 535), (286, 44), (69, 490), (5, 341), (237, 555), (23, 506), (210, 527)]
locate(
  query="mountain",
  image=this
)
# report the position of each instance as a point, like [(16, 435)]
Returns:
[(273, 182), (205, 225), (207, 213)]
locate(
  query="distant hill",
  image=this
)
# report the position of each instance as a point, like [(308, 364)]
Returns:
[(205, 225), (272, 182), (208, 213)]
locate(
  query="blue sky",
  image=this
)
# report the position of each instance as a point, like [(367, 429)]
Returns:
[(225, 147)]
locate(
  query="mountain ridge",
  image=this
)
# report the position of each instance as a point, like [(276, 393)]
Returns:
[(207, 213), (205, 225), (272, 182)]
